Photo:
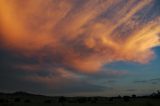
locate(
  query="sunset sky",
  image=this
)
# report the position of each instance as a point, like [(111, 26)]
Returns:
[(80, 47)]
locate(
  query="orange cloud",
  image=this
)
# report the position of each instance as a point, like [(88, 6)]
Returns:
[(79, 34)]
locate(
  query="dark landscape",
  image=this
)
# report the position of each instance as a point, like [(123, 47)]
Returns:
[(28, 99)]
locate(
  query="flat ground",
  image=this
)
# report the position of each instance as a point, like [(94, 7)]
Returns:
[(40, 101)]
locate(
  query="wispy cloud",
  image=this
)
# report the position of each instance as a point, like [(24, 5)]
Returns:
[(149, 81), (78, 34)]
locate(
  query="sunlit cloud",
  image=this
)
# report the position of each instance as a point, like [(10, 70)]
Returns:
[(81, 35)]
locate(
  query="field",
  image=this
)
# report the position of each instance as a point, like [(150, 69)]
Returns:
[(38, 100)]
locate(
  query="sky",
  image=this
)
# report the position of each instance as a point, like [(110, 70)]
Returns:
[(80, 47)]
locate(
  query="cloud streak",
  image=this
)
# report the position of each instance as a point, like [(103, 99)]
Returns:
[(78, 34), (150, 81)]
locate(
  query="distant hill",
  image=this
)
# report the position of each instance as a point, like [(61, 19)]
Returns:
[(22, 93)]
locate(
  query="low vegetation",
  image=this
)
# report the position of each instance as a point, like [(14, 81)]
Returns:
[(26, 99)]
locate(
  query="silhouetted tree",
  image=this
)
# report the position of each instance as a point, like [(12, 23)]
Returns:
[(155, 95)]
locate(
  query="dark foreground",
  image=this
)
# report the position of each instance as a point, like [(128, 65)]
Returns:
[(25, 99)]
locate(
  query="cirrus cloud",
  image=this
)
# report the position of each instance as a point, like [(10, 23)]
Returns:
[(79, 34)]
